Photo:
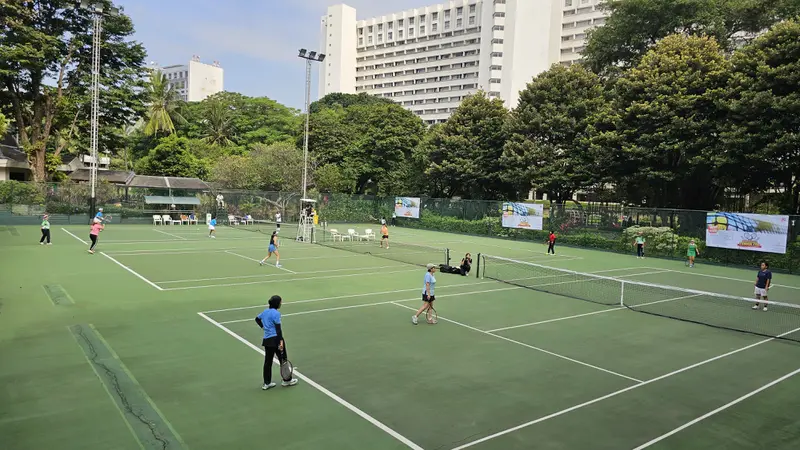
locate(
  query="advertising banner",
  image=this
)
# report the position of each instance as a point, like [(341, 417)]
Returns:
[(407, 207), (523, 215), (754, 232)]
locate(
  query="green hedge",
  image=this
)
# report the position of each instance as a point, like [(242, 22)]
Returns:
[(660, 241)]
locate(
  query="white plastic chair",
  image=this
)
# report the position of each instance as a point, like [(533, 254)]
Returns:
[(369, 235), (232, 220), (157, 220), (166, 219), (352, 235)]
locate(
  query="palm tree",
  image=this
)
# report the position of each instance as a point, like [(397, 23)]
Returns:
[(163, 106), (218, 129)]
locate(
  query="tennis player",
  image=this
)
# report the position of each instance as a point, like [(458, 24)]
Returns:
[(763, 283), (212, 228), (270, 321), (428, 294), (97, 227), (384, 235), (273, 248), (45, 230), (551, 243), (278, 220), (639, 243), (692, 252), (99, 214)]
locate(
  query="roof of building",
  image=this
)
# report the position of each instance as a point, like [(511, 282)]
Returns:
[(111, 176), (147, 181), (10, 149)]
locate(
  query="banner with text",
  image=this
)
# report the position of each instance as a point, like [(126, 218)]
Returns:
[(407, 207), (523, 215), (754, 232)]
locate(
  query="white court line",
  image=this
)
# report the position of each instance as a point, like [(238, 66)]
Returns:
[(615, 393), (618, 308), (527, 345), (324, 390), (278, 274), (174, 241), (258, 261), (76, 237), (284, 280), (133, 272), (170, 234), (366, 294), (729, 278), (720, 409), (362, 305), (299, 248)]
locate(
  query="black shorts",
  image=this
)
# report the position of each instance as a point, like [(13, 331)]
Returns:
[(425, 298), (272, 342), (386, 236)]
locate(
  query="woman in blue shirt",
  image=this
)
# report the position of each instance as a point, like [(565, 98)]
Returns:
[(270, 321), (428, 294)]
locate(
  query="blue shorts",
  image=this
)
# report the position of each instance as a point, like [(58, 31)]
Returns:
[(271, 249)]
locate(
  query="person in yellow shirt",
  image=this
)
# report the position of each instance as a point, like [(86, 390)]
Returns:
[(384, 235)]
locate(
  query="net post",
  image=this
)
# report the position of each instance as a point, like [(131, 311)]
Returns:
[(447, 256), (478, 269), (622, 293)]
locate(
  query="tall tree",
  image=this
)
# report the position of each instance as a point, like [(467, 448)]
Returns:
[(3, 125), (634, 26), (45, 64), (217, 125), (762, 136), (172, 158), (465, 152), (371, 143), (666, 125), (548, 147), (343, 100), (276, 167), (163, 106)]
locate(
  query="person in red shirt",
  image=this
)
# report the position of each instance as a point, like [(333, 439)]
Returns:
[(551, 243)]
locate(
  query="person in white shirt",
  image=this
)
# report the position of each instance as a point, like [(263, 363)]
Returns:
[(278, 220)]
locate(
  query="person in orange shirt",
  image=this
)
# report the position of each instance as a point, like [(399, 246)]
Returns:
[(384, 235)]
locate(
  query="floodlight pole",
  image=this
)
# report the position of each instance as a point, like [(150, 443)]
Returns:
[(310, 57), (97, 10)]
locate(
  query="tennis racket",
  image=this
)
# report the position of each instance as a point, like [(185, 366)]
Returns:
[(431, 315), (287, 369)]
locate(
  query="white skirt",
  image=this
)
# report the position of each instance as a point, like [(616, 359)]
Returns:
[(211, 227), (761, 292)]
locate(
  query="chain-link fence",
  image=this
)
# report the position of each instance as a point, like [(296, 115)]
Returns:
[(605, 226)]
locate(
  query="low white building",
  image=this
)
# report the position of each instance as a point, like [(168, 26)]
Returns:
[(196, 80), (427, 59)]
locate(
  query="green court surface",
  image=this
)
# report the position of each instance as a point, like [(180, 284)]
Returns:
[(151, 343)]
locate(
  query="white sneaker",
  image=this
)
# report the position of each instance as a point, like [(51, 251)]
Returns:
[(414, 320), (291, 382), (261, 263), (278, 265), (41, 243), (268, 386), (755, 307), (765, 308)]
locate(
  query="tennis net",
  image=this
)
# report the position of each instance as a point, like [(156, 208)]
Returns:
[(782, 320), (418, 255), (265, 227)]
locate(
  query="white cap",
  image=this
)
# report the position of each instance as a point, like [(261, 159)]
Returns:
[(431, 266)]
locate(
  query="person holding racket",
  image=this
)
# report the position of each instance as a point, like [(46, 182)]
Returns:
[(763, 283), (270, 321), (97, 227), (428, 296), (273, 248), (384, 235), (551, 243)]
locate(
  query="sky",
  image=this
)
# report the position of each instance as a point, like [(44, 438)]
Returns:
[(255, 41)]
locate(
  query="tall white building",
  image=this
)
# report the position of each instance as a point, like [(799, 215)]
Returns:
[(195, 81), (427, 59)]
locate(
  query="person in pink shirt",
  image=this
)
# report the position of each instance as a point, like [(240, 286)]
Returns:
[(97, 227)]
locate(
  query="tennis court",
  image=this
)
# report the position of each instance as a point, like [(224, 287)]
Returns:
[(151, 343)]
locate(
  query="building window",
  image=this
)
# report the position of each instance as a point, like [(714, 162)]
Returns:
[(369, 29), (380, 27), (369, 39), (472, 9), (389, 36), (411, 21), (422, 18), (460, 11), (410, 32), (499, 14), (459, 23), (399, 22), (472, 20), (446, 24), (567, 3), (361, 31), (380, 38), (399, 34), (422, 29), (391, 25), (434, 27), (361, 41), (435, 16), (446, 13)]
